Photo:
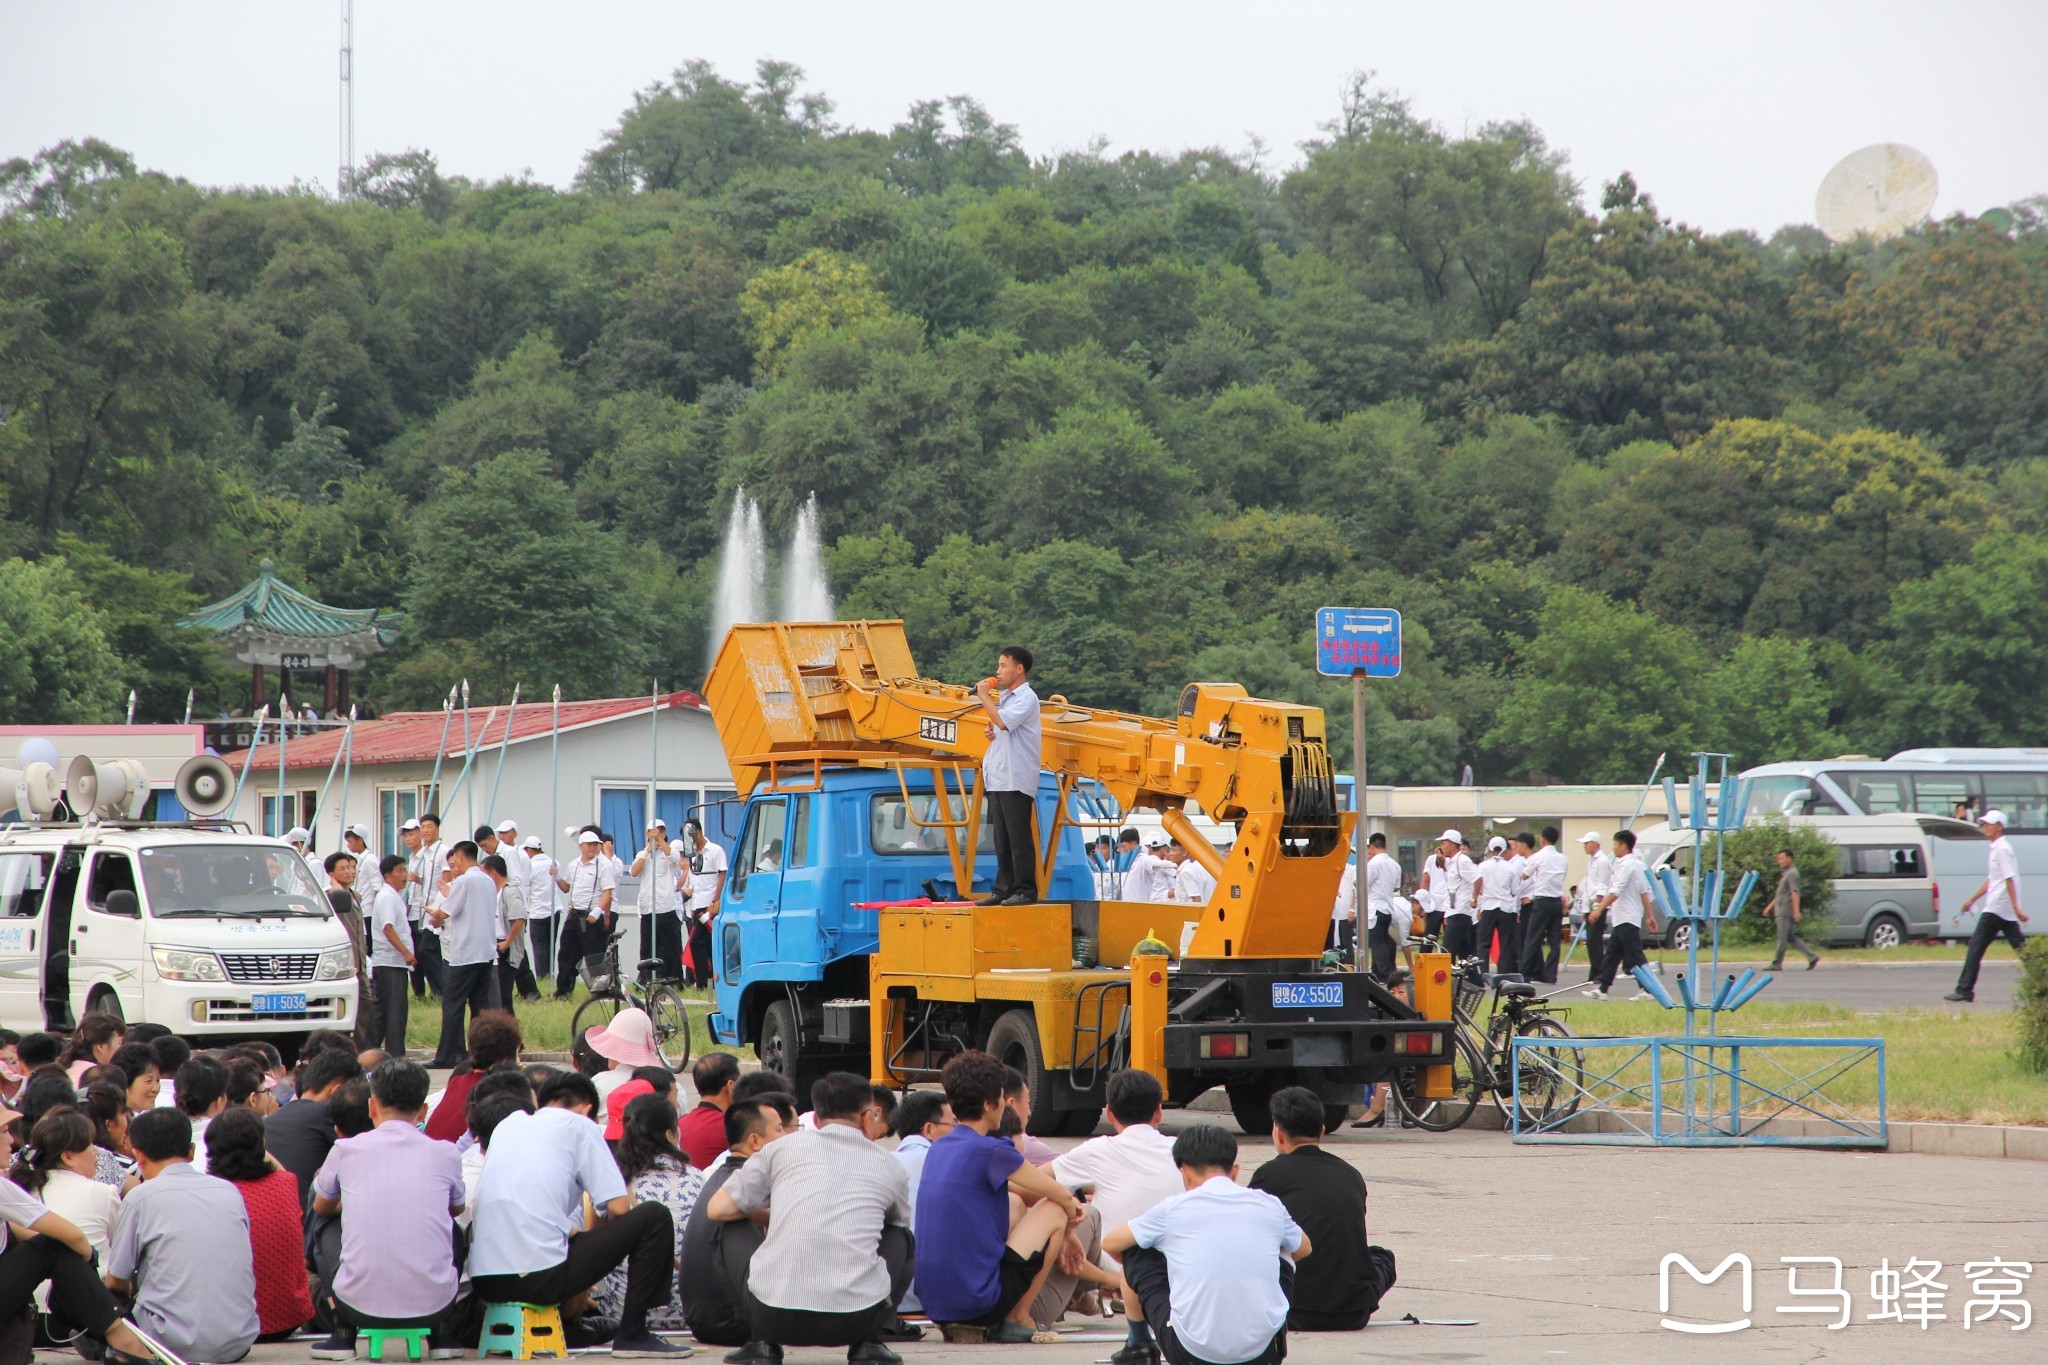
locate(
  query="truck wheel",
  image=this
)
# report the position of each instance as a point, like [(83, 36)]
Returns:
[(779, 1047), (1251, 1103), (1014, 1042)]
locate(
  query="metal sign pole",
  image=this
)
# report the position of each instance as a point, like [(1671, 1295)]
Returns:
[(284, 726), (1359, 831), (491, 807)]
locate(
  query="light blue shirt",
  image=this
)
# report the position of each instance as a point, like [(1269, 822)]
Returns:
[(470, 935), (1013, 758), (910, 1153), (530, 1197), (1223, 1245), (183, 1238)]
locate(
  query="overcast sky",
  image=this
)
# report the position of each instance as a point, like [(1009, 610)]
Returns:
[(1729, 113)]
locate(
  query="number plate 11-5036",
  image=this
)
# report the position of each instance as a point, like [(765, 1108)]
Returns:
[(1303, 995)]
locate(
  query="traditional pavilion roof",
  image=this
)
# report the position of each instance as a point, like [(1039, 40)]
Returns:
[(271, 609)]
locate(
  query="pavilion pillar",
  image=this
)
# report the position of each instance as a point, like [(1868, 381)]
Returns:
[(341, 694), (333, 690), (255, 687)]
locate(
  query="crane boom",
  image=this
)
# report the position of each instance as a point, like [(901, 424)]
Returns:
[(787, 697)]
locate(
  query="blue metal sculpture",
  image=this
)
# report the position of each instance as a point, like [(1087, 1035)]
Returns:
[(1705, 1088)]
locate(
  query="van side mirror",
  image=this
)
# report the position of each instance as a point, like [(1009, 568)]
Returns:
[(124, 903)]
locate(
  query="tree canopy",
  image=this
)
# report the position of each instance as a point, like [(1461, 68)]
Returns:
[(1635, 486)]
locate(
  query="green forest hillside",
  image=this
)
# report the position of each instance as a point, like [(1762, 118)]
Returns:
[(1635, 487)]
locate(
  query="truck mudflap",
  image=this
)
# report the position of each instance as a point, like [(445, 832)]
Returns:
[(1227, 1020)]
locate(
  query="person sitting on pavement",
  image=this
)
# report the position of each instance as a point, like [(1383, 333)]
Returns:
[(489, 1106), (990, 1259), (277, 1229), (181, 1249), (397, 1192), (920, 1120), (1017, 1118), (527, 1245), (838, 1254), (58, 1254), (702, 1133), (493, 1041), (656, 1170), (627, 1042), (1208, 1272), (202, 1094), (717, 1256), (1341, 1286), (1132, 1168), (301, 1133)]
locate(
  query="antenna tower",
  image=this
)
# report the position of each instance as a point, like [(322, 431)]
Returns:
[(344, 182)]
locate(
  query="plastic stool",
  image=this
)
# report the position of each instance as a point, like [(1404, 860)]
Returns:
[(522, 1331), (415, 1339)]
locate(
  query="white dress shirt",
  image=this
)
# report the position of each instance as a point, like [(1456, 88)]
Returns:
[(1496, 884), (1546, 873), (1192, 883), (1382, 883)]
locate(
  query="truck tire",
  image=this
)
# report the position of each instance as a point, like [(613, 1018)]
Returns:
[(1013, 1041), (1251, 1102), (779, 1046)]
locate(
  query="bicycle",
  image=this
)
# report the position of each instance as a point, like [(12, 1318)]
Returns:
[(611, 991), (1553, 1079)]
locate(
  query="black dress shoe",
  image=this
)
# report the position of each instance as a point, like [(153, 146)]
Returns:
[(872, 1353), (899, 1330), (755, 1353), (1020, 898), (1144, 1353), (1000, 898)]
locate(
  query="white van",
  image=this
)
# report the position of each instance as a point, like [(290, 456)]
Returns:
[(1897, 877), (212, 932)]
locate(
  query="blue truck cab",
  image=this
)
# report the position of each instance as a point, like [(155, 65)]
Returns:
[(789, 939)]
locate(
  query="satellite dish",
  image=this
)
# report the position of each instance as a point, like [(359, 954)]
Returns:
[(1877, 192)]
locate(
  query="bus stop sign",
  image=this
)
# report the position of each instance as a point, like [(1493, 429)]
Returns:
[(1358, 642)]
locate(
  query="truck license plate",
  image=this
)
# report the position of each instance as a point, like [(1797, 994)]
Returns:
[(279, 1003), (1305, 995)]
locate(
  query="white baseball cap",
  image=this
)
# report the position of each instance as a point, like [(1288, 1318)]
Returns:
[(361, 832), (1157, 839), (410, 824), (656, 823), (531, 843), (1451, 836), (298, 834), (1495, 843), (588, 836), (1589, 837), (508, 826), (1992, 817)]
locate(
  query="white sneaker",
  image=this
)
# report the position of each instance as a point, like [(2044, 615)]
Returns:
[(1594, 993)]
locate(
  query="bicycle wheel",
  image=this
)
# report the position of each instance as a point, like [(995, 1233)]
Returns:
[(1442, 1115), (671, 1026), (601, 1008), (1559, 1074)]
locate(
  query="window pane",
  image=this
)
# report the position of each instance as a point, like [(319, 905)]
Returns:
[(800, 835), (111, 872), (2020, 796), (1881, 793), (761, 844), (891, 828), (22, 877), (1942, 793)]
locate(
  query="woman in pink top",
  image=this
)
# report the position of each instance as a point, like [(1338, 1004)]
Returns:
[(96, 1041)]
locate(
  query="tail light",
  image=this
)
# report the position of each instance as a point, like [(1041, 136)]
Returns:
[(1224, 1046), (1419, 1044)]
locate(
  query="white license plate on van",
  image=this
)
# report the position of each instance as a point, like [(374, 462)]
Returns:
[(279, 1003)]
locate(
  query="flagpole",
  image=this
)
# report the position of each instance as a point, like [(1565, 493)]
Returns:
[(248, 757), (441, 751), (491, 809), (555, 770), (468, 751), (284, 709), (348, 749)]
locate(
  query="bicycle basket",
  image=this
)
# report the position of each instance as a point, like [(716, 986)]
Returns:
[(596, 972), (1468, 988)]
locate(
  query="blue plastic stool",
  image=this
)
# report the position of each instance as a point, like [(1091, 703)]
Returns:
[(522, 1331), (415, 1339)]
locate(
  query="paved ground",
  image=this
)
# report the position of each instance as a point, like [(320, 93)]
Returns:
[(1556, 1251), (1871, 985)]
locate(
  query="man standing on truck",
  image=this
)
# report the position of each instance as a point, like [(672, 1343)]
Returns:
[(1009, 775), (2001, 916)]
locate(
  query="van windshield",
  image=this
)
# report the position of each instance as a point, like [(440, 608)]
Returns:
[(237, 880)]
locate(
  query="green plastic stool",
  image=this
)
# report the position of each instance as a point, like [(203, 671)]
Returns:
[(522, 1331), (415, 1339)]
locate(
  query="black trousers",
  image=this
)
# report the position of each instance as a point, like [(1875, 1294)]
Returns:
[(668, 945), (1542, 936), (1596, 947), (1016, 848), (643, 1238), (1344, 937), (1624, 953), (1989, 929), (700, 955), (1433, 924), (1460, 940), (389, 1014), (1379, 941), (579, 936), (1145, 1270), (429, 970), (1508, 927), (808, 1327), (541, 934), (77, 1294), (1306, 1317), (473, 985)]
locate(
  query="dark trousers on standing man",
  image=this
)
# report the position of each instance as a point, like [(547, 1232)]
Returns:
[(428, 968), (643, 1237), (1624, 953), (1989, 928), (389, 1013), (1016, 846), (540, 933), (472, 986), (1596, 947), (579, 936), (1379, 940), (1459, 938), (668, 945), (1542, 933), (1504, 925), (700, 953)]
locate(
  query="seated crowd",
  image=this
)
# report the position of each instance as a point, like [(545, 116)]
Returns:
[(350, 1197)]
